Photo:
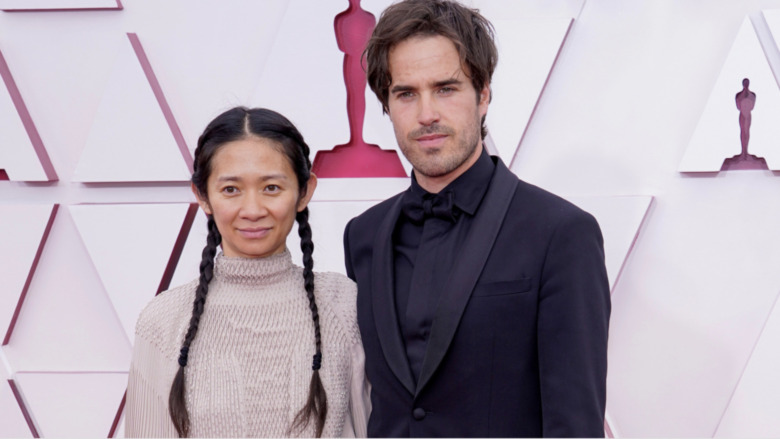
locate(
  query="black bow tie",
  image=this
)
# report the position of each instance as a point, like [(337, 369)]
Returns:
[(440, 205)]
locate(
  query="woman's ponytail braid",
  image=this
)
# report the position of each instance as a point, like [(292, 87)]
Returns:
[(317, 402), (177, 406)]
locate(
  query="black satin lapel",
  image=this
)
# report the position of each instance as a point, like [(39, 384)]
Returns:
[(467, 268), (383, 300)]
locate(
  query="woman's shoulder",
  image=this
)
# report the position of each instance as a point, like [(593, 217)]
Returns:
[(161, 315), (336, 294), (337, 284)]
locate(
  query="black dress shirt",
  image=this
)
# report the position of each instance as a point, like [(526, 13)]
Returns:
[(425, 249)]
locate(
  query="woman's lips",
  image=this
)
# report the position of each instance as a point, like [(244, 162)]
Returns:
[(254, 232)]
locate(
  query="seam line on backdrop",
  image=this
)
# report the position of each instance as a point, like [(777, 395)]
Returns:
[(747, 363)]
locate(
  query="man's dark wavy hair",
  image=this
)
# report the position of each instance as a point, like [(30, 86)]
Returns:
[(471, 33)]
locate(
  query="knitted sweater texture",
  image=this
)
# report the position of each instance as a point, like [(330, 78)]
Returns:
[(250, 363)]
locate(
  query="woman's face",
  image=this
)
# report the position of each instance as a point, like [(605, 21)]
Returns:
[(253, 196)]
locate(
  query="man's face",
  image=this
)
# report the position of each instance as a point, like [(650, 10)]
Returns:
[(436, 112)]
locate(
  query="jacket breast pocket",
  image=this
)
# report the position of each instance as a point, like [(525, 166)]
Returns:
[(502, 288)]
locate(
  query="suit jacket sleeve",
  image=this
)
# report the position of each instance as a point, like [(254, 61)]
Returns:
[(347, 255), (574, 309)]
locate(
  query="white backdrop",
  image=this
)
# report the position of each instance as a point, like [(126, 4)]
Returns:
[(616, 113)]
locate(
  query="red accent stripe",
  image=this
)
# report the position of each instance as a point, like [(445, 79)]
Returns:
[(3, 175), (112, 432), (30, 275), (23, 408), (27, 121), (158, 93), (178, 248)]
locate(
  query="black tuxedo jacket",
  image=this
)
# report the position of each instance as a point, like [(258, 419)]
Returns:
[(518, 345)]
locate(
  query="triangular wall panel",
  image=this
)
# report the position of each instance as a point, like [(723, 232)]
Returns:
[(22, 156), (67, 322), (132, 138), (306, 43), (754, 406), (717, 135), (72, 404), (24, 229), (130, 246), (529, 49), (691, 303)]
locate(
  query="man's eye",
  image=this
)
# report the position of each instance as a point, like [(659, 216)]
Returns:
[(446, 90)]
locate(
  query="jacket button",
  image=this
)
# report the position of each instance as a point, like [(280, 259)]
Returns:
[(418, 414)]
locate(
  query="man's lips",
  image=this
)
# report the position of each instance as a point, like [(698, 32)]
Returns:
[(254, 232), (431, 140)]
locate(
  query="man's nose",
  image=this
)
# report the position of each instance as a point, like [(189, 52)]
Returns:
[(428, 112)]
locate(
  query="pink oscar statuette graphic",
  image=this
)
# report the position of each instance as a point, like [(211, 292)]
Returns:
[(746, 101), (356, 158)]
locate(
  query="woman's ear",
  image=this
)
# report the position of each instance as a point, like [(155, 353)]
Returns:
[(311, 186), (204, 203)]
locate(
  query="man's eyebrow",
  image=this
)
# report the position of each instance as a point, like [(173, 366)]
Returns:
[(451, 81), (401, 88)]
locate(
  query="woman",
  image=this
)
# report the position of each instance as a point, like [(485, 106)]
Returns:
[(256, 346)]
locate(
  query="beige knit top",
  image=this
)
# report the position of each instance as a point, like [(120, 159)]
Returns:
[(250, 363)]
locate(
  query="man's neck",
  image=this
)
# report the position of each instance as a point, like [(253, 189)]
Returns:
[(434, 185)]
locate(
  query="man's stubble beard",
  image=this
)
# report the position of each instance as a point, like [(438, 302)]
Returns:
[(437, 163)]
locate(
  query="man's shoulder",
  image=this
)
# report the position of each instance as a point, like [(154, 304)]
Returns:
[(528, 196), (546, 204)]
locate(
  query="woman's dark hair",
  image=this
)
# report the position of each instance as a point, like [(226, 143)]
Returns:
[(236, 124), (471, 33)]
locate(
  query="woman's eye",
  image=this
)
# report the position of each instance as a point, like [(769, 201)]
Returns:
[(230, 190), (272, 188)]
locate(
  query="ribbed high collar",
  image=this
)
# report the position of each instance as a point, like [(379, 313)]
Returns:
[(252, 271)]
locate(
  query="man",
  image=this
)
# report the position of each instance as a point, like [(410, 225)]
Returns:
[(483, 301)]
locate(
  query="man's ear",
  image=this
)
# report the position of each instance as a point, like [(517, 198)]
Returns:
[(484, 100), (311, 186), (204, 203)]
